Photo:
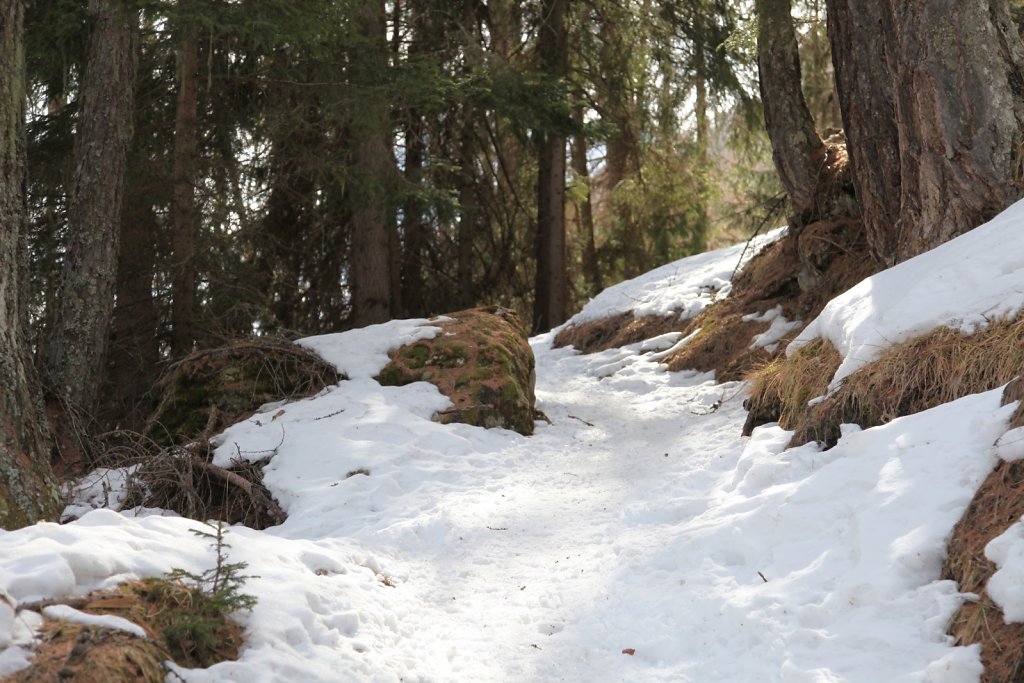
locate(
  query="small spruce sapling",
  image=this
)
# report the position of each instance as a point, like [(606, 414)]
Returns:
[(197, 627)]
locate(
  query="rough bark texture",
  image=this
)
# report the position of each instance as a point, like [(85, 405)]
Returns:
[(551, 292), (28, 491), (78, 341), (184, 213), (371, 280), (796, 147), (857, 31), (958, 101), (931, 97)]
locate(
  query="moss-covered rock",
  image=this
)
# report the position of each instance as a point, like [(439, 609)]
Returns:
[(214, 388), (481, 361)]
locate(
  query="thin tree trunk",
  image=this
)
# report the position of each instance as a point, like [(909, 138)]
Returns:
[(134, 345), (369, 267), (468, 212), (591, 269), (78, 342), (28, 491), (184, 212), (413, 225), (796, 147), (551, 291)]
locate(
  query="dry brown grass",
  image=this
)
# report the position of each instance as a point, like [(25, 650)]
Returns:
[(615, 331), (94, 654), (926, 371), (998, 503), (780, 390)]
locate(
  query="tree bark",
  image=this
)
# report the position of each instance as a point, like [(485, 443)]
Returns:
[(184, 212), (931, 97), (551, 290), (369, 267), (134, 341), (584, 211), (958, 94), (28, 491), (78, 342), (796, 147), (861, 36)]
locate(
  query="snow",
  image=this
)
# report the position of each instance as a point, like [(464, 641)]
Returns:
[(110, 621), (962, 284), (779, 327), (684, 287), (637, 520)]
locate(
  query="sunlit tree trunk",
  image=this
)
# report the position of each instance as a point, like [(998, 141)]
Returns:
[(797, 148)]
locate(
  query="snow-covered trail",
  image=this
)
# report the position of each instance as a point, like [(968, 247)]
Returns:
[(543, 568)]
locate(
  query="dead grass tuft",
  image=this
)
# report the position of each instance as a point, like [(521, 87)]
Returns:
[(935, 368), (780, 390), (93, 654), (998, 504)]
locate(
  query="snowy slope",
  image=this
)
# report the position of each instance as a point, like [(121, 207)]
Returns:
[(638, 520), (963, 284)]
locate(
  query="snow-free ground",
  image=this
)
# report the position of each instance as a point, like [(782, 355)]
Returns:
[(635, 537)]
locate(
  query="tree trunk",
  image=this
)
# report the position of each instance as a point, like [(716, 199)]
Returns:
[(28, 491), (585, 212), (931, 99), (796, 147), (551, 291), (184, 212), (369, 267), (958, 102), (134, 340), (861, 34), (78, 342)]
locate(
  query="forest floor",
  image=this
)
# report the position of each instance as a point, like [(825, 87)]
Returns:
[(636, 536)]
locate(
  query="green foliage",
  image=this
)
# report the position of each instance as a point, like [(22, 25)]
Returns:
[(195, 622)]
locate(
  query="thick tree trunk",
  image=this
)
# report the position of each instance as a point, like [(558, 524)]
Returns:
[(551, 291), (796, 147), (78, 342), (184, 212), (369, 267), (28, 491), (931, 97), (860, 33), (958, 100)]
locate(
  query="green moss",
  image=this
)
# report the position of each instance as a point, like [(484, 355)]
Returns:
[(416, 356)]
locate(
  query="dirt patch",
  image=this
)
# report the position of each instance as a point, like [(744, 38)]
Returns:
[(616, 331), (482, 361), (211, 389), (93, 654), (998, 504)]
